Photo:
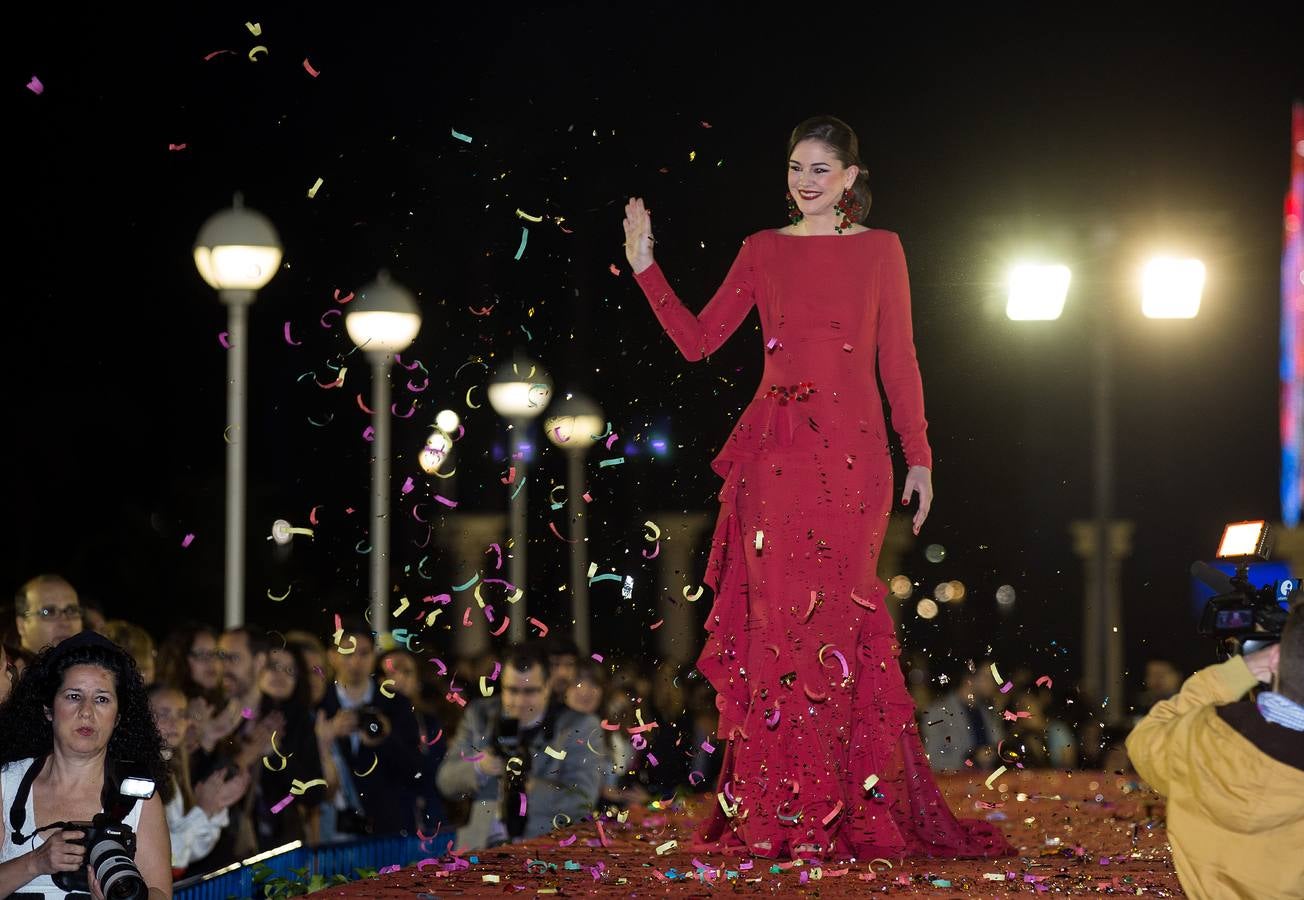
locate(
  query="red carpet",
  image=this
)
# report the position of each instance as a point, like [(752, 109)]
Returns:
[(1079, 833)]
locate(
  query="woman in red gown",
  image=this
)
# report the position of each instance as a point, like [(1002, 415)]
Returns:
[(822, 751)]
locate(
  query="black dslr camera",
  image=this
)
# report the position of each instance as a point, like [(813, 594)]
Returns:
[(111, 853), (110, 844), (1242, 612)]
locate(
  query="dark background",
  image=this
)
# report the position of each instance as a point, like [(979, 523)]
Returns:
[(981, 137)]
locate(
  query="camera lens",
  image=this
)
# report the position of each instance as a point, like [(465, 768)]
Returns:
[(117, 873)]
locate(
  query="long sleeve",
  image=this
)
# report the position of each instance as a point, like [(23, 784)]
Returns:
[(400, 753), (583, 774), (457, 777), (897, 366), (194, 833), (698, 336), (1151, 741)]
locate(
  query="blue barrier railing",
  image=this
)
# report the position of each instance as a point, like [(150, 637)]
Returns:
[(340, 858)]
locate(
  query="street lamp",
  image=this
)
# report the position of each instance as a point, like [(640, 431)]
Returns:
[(382, 320), (237, 252), (519, 391), (573, 424), (1171, 289)]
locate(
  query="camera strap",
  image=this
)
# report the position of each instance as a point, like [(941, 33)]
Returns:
[(18, 810)]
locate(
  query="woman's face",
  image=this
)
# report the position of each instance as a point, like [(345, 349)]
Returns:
[(203, 661), (85, 710), (172, 714), (403, 669), (583, 696), (817, 178), (279, 676), (316, 674)]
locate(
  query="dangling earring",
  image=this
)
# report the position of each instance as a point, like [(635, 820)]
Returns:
[(849, 206), (794, 214)]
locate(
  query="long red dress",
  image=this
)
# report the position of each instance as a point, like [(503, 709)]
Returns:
[(801, 648)]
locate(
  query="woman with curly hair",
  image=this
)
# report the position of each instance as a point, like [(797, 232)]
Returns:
[(78, 707)]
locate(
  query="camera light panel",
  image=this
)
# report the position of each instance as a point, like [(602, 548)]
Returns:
[(1243, 539)]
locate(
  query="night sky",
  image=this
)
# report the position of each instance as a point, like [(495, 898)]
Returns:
[(978, 141)]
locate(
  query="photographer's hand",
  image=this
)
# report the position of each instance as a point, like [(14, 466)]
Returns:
[(490, 764), (1263, 663), (340, 725), (59, 854)]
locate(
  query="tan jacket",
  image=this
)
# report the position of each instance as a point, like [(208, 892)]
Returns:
[(1235, 788)]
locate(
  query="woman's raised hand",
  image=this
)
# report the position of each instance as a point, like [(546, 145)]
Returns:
[(638, 235)]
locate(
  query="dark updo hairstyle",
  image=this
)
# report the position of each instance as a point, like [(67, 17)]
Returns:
[(841, 140), (29, 734)]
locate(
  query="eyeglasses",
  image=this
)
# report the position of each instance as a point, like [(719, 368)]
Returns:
[(286, 669), (50, 612), (229, 657), (508, 689), (203, 655)]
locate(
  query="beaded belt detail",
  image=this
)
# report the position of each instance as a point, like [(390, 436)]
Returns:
[(798, 392)]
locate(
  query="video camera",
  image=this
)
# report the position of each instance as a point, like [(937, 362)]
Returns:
[(1242, 612)]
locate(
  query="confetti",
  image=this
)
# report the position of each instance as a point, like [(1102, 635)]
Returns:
[(188, 540), (694, 595), (312, 192), (176, 146), (521, 214), (282, 804), (255, 28), (665, 848), (375, 760), (290, 340), (555, 754), (307, 67), (1045, 679), (996, 674), (992, 777), (35, 86), (870, 782), (760, 540), (525, 236), (461, 137), (387, 687), (297, 787), (253, 54)]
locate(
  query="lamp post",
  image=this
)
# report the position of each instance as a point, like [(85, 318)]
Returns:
[(573, 424), (382, 320), (237, 252), (519, 391), (1171, 290)]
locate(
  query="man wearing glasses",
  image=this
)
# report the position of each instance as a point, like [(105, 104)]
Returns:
[(47, 612), (521, 756)]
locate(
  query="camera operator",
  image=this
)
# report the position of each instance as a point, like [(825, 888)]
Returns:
[(78, 708), (1233, 772), (372, 732), (524, 743)]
